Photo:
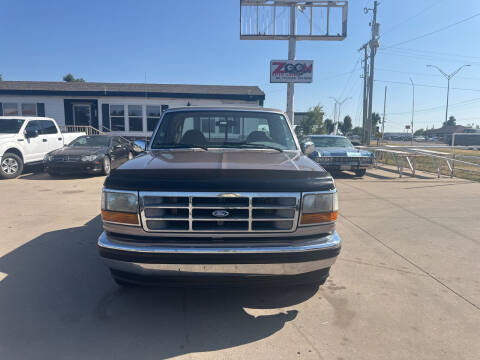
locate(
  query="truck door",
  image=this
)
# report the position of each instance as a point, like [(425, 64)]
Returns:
[(35, 146), (52, 135)]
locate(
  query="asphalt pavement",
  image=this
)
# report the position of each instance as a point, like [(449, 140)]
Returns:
[(406, 285)]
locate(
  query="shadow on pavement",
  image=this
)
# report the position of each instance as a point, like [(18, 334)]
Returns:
[(58, 301), (45, 176)]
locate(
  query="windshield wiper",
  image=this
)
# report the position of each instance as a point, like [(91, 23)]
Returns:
[(180, 146), (253, 146)]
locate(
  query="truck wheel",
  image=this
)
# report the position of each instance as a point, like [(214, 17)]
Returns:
[(11, 166), (106, 166), (52, 173), (360, 172)]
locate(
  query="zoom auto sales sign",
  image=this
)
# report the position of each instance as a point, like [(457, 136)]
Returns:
[(291, 71)]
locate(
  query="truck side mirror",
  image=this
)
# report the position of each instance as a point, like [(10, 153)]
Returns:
[(31, 133), (308, 147), (139, 146)]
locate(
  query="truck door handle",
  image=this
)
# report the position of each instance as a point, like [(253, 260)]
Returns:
[(59, 139), (45, 140)]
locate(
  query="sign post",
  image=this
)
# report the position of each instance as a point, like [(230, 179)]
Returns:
[(293, 20)]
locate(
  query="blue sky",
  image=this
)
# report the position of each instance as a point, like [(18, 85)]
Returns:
[(193, 41)]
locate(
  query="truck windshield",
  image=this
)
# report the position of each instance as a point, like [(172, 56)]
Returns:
[(10, 126), (91, 141), (217, 129), (330, 141)]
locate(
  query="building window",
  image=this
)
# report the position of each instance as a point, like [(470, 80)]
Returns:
[(10, 109), (135, 118), (29, 109), (153, 116), (117, 118)]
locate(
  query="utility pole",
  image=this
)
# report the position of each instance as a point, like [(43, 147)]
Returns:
[(413, 108), (384, 108), (373, 49), (448, 77), (292, 47), (365, 93)]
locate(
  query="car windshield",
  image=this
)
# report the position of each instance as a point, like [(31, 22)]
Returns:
[(331, 141), (91, 141), (217, 129), (10, 126)]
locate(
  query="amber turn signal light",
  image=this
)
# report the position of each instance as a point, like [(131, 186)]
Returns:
[(120, 217), (317, 218)]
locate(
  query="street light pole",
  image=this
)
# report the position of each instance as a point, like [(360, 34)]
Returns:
[(413, 108), (448, 77), (337, 112)]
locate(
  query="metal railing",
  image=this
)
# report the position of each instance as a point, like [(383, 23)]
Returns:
[(88, 130), (407, 156)]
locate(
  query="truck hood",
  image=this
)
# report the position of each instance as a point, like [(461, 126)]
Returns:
[(220, 170)]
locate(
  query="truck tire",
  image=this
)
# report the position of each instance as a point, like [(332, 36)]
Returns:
[(107, 166), (11, 166), (360, 172)]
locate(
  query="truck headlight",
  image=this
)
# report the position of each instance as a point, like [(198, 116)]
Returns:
[(120, 207), (319, 208), (89, 157), (48, 158)]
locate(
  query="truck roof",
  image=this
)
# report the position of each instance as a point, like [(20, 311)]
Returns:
[(225, 108), (25, 117)]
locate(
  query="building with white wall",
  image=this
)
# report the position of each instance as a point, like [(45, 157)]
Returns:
[(124, 108)]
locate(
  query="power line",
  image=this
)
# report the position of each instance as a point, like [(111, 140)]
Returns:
[(350, 77), (390, 29), (474, 100), (425, 74), (435, 31), (434, 52), (423, 57), (424, 85)]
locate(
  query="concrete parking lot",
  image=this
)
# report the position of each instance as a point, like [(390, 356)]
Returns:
[(406, 286)]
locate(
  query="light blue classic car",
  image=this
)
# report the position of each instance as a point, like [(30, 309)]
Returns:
[(334, 152)]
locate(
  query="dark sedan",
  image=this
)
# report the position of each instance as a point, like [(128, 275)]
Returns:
[(337, 153), (91, 154)]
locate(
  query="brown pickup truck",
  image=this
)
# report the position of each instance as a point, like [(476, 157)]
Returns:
[(220, 194)]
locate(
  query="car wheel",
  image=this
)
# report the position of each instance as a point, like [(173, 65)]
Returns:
[(360, 172), (106, 166), (11, 166), (130, 156)]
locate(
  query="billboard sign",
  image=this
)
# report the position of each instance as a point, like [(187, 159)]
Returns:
[(291, 71)]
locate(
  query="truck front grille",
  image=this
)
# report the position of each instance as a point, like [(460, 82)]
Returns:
[(219, 212)]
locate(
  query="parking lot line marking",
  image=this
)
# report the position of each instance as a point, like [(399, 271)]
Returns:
[(2, 276), (412, 263)]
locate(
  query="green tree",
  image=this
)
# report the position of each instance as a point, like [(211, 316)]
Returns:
[(329, 126), (419, 132), (346, 126), (71, 78), (1, 79), (313, 122), (357, 131), (450, 122)]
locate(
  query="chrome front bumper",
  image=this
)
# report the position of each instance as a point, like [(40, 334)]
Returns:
[(298, 257)]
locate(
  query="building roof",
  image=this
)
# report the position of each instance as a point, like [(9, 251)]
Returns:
[(446, 130), (131, 89)]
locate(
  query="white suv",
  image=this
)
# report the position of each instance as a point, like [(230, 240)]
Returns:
[(26, 140)]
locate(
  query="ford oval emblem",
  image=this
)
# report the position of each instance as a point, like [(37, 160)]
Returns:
[(220, 213)]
